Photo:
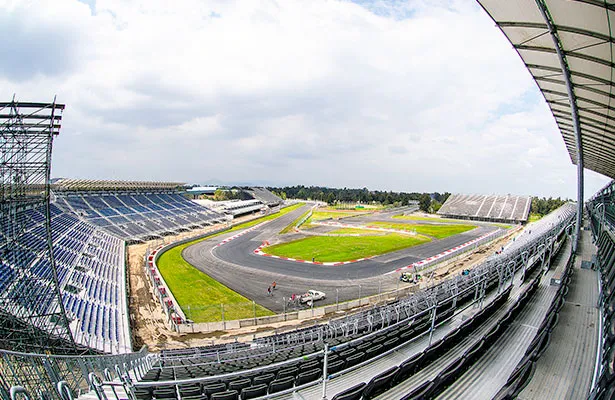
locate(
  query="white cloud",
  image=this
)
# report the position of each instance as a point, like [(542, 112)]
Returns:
[(414, 96)]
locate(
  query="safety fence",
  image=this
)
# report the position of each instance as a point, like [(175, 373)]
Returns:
[(40, 374)]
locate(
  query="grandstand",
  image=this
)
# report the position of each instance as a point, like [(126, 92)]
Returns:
[(492, 208), (90, 271), (264, 195), (90, 221), (89, 265), (133, 211), (237, 208)]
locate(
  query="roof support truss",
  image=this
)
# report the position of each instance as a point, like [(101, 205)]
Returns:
[(574, 111)]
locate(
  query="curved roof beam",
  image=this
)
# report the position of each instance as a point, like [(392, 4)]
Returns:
[(574, 111)]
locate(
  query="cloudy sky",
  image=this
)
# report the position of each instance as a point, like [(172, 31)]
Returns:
[(388, 94)]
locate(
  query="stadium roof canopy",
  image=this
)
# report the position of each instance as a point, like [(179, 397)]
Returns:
[(65, 184), (202, 190), (568, 47)]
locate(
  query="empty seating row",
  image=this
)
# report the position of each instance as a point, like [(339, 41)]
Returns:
[(137, 216), (431, 388), (506, 208), (89, 267), (525, 368), (343, 356)]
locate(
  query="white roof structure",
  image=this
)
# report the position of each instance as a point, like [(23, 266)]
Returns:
[(65, 184), (568, 48)]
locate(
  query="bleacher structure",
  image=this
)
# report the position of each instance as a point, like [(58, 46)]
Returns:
[(237, 208), (492, 208), (62, 280), (601, 209), (31, 311), (89, 266), (133, 211), (265, 196), (91, 221), (62, 249)]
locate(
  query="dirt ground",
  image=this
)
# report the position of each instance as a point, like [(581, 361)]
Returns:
[(149, 323), (473, 258)]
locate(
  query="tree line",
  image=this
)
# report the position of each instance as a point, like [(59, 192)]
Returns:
[(543, 206), (363, 195), (428, 202)]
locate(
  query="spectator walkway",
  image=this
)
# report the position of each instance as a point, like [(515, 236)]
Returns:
[(566, 368)]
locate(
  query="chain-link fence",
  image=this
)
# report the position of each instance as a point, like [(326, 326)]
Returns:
[(283, 304)]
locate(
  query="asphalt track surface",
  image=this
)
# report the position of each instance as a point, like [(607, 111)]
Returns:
[(235, 265)]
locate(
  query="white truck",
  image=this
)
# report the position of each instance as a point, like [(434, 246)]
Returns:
[(312, 295)]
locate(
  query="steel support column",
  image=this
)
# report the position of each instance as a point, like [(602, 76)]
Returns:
[(574, 111)]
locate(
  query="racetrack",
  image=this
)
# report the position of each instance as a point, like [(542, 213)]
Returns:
[(235, 265)]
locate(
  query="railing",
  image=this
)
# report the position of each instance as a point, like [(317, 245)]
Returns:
[(471, 245), (601, 211), (39, 374), (430, 312), (521, 256)]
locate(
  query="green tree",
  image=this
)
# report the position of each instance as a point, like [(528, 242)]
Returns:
[(435, 206), (424, 202), (221, 195)]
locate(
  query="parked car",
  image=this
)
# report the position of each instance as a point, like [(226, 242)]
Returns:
[(312, 295)]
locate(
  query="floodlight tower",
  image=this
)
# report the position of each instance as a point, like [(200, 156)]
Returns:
[(32, 315)]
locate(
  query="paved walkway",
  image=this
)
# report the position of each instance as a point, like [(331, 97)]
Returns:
[(566, 368)]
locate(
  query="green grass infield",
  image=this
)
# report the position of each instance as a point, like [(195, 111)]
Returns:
[(344, 248), (433, 230)]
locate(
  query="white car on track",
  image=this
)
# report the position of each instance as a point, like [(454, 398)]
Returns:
[(312, 295)]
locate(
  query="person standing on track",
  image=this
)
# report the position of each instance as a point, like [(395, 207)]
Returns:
[(273, 285), (269, 291)]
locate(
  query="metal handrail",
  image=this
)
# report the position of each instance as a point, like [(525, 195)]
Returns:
[(19, 390), (65, 391), (312, 355)]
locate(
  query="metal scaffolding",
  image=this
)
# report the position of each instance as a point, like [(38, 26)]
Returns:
[(32, 316)]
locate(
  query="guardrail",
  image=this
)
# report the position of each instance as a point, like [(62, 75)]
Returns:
[(39, 374)]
